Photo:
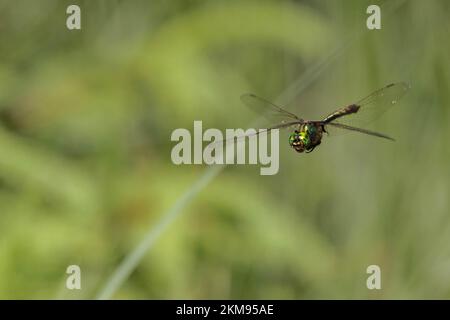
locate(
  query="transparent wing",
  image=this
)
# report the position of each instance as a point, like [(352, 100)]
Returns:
[(387, 96), (367, 109), (360, 130), (370, 107), (257, 132), (270, 111), (265, 107)]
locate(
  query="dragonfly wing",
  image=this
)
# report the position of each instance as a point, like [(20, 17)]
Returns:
[(257, 132), (265, 107), (371, 107), (360, 130), (388, 95)]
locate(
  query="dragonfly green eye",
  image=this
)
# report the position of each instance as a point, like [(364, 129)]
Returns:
[(293, 137), (296, 141), (305, 136)]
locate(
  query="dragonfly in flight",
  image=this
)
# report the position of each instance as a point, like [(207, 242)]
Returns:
[(308, 133)]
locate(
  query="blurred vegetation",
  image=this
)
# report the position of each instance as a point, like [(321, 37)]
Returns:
[(85, 168)]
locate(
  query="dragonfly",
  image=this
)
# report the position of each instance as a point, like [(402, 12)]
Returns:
[(308, 134)]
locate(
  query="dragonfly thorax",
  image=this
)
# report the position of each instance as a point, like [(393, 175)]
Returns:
[(307, 137)]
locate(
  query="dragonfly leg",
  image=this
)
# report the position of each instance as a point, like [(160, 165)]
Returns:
[(312, 148)]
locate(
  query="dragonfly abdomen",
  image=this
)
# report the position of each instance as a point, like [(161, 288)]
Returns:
[(353, 108)]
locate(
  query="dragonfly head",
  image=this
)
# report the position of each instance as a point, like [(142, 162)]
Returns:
[(296, 141), (306, 138)]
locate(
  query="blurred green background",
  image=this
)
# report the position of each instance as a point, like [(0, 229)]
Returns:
[(85, 169)]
